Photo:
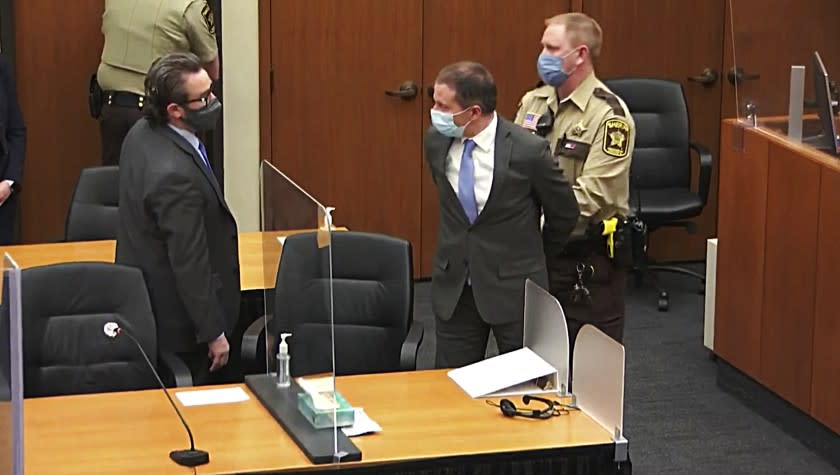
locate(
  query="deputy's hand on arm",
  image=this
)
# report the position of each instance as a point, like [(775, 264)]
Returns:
[(218, 352)]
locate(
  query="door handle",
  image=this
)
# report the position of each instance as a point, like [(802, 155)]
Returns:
[(406, 92), (707, 78), (737, 75)]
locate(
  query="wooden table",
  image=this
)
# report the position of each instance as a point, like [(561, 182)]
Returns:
[(423, 414), (259, 253)]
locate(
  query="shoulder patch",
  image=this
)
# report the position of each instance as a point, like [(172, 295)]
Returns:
[(610, 99), (207, 13), (616, 137)]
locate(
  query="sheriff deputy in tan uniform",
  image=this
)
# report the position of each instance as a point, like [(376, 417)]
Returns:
[(136, 33), (591, 134)]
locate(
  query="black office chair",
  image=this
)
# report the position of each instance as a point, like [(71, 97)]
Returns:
[(660, 182), (65, 351), (94, 210), (373, 299)]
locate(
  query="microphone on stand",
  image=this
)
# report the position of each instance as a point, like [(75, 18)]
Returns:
[(191, 457)]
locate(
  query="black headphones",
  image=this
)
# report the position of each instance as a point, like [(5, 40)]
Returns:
[(552, 409)]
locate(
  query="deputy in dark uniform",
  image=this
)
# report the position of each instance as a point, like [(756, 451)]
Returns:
[(591, 134), (136, 33)]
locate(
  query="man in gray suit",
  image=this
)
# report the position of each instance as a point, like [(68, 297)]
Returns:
[(494, 179), (174, 223)]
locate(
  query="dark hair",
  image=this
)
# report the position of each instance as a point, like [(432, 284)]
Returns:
[(473, 85), (165, 84)]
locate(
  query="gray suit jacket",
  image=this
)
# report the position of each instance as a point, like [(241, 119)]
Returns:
[(504, 246), (176, 227)]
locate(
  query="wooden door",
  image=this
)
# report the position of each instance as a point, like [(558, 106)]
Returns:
[(769, 37), (502, 35), (670, 40), (334, 130), (57, 49)]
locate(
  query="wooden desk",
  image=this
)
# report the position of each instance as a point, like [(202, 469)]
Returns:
[(776, 313), (259, 253), (423, 416)]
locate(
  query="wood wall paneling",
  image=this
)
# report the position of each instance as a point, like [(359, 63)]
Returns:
[(793, 188), (507, 44), (741, 242), (825, 387), (57, 49), (688, 38)]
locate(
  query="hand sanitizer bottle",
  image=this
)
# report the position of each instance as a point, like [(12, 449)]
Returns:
[(284, 379)]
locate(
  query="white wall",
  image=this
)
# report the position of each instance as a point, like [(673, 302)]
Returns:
[(240, 53)]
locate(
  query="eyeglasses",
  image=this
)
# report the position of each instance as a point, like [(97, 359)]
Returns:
[(204, 99)]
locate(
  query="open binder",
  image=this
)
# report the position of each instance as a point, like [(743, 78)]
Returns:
[(541, 366)]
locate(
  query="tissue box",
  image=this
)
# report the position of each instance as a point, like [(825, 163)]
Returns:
[(323, 418)]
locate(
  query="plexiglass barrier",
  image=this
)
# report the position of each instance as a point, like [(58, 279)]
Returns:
[(598, 378), (546, 333), (784, 69), (11, 370), (297, 257)]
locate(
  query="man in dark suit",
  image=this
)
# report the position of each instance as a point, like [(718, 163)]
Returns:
[(12, 145), (174, 222), (493, 179)]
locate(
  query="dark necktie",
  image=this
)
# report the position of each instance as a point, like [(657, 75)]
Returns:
[(203, 153)]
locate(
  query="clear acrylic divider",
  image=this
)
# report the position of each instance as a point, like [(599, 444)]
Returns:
[(304, 310), (546, 333), (598, 379), (791, 92), (11, 366)]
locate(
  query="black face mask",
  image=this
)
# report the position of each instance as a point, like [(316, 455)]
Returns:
[(204, 118)]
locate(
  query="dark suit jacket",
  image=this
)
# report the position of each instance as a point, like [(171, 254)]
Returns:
[(176, 227), (12, 129), (503, 247)]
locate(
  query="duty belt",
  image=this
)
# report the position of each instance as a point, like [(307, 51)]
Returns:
[(124, 99)]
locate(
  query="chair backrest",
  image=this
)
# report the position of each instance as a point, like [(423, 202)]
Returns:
[(65, 307), (94, 212), (661, 157), (373, 298)]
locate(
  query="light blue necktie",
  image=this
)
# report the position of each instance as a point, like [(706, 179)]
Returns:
[(466, 182), (203, 153)]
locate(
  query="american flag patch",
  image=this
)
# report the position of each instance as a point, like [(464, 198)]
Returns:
[(530, 121)]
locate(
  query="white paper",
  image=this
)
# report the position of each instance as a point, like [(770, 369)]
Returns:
[(489, 377), (321, 390), (362, 424), (206, 397)]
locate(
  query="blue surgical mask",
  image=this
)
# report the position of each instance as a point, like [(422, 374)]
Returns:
[(550, 68), (444, 122)]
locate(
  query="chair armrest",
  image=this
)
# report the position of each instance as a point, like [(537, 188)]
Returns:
[(178, 369), (704, 179), (252, 337), (408, 353)]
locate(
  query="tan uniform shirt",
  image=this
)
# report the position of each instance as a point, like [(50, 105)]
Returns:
[(593, 137), (139, 31)]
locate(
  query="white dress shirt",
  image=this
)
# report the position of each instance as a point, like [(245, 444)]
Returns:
[(193, 140), (483, 156)]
